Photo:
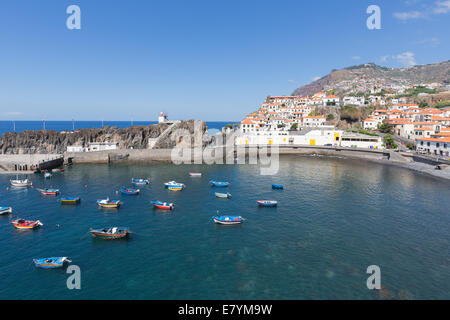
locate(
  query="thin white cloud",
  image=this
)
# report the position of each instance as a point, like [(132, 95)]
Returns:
[(409, 15), (384, 58), (439, 7), (356, 58), (407, 59), (13, 113), (442, 7), (429, 41)]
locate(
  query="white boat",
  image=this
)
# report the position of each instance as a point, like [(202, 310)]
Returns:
[(174, 184), (195, 174), (20, 183), (47, 175), (5, 210)]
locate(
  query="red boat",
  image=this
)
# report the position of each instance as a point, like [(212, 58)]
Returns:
[(49, 192), (163, 205), (27, 225)]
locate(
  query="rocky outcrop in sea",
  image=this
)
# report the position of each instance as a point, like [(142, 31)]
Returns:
[(136, 137)]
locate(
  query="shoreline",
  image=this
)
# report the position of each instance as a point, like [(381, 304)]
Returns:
[(417, 167)]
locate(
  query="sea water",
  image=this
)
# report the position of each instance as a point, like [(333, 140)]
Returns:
[(335, 217)]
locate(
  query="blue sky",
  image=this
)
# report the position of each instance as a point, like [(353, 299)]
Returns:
[(202, 59)]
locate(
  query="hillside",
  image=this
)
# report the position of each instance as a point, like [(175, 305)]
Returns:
[(343, 79)]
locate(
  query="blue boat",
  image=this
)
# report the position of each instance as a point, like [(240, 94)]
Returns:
[(219, 184), (51, 263), (139, 181), (277, 186), (130, 191), (228, 219)]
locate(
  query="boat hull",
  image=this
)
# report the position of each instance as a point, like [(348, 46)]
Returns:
[(105, 236), (74, 201), (264, 203), (45, 264), (5, 210), (228, 220), (277, 186), (195, 174), (29, 225), (129, 192)]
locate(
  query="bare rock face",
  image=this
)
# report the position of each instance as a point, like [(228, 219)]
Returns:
[(49, 141), (187, 133)]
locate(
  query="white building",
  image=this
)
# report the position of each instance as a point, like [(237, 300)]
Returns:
[(94, 146), (436, 146), (353, 100)]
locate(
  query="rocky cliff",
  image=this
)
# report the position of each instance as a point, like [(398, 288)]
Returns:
[(136, 137)]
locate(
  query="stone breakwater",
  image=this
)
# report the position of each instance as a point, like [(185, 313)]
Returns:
[(136, 137)]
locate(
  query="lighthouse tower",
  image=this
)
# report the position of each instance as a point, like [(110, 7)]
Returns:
[(162, 117)]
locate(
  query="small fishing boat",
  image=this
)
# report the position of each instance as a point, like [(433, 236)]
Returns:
[(140, 181), (47, 175), (106, 203), (195, 174), (110, 233), (174, 184), (277, 186), (5, 210), (163, 205), (21, 183), (51, 263), (223, 195), (219, 184), (58, 170), (49, 192), (26, 225), (175, 188), (267, 203), (70, 200), (130, 191), (228, 219)]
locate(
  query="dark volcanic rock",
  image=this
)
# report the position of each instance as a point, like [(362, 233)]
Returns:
[(48, 141)]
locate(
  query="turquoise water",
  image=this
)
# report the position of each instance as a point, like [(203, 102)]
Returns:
[(334, 219)]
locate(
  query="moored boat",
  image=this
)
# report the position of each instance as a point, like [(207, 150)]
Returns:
[(219, 183), (130, 191), (21, 183), (58, 170), (47, 175), (267, 203), (163, 205), (228, 219), (174, 184), (49, 192), (26, 225), (223, 195), (106, 203), (195, 174), (277, 186), (140, 181), (110, 233), (70, 200), (50, 263), (175, 188), (5, 210)]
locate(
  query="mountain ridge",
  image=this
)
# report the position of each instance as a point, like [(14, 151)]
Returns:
[(435, 72)]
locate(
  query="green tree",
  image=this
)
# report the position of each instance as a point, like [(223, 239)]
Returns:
[(385, 127), (389, 142), (423, 104), (330, 117), (294, 126)]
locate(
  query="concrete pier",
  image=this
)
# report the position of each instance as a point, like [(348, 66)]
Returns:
[(25, 163)]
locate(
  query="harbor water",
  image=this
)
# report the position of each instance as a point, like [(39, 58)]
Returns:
[(335, 217)]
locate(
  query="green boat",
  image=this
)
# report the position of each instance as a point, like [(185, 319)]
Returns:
[(223, 195)]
